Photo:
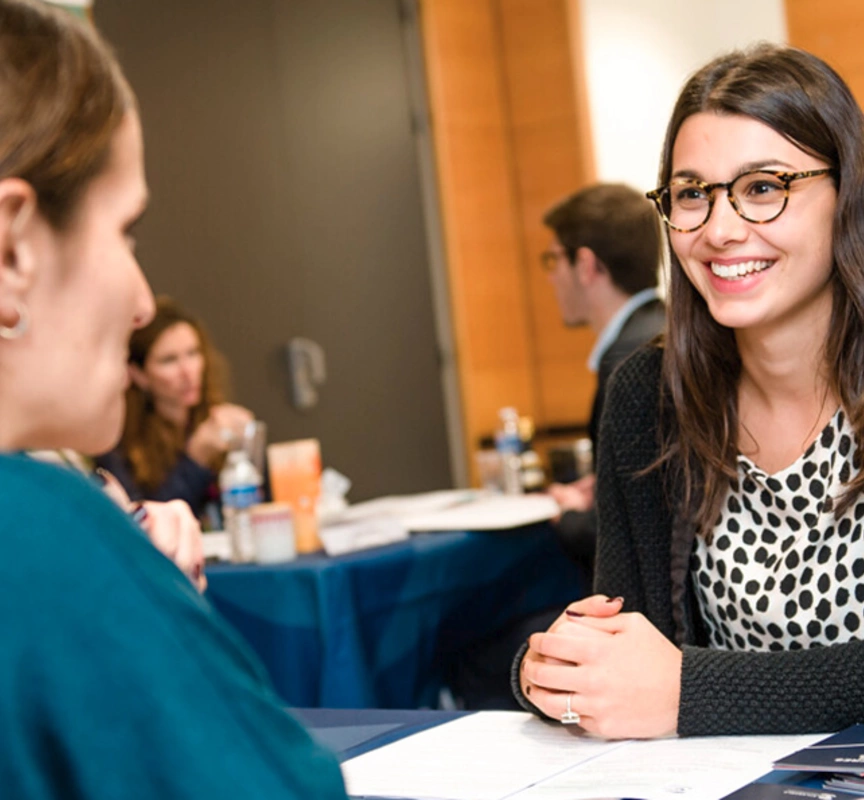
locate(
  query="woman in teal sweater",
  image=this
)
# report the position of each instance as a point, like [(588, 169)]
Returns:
[(116, 677)]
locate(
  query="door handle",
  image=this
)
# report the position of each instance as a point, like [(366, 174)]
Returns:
[(307, 366)]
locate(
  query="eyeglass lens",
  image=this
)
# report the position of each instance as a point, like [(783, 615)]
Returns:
[(756, 196), (549, 259)]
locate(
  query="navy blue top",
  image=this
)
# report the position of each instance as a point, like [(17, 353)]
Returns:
[(188, 480)]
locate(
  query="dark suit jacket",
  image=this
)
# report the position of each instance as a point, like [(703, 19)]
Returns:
[(644, 324), (577, 530)]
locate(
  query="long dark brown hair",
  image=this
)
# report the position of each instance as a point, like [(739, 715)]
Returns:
[(805, 101), (151, 443)]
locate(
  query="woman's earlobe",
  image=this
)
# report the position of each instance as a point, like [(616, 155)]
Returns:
[(15, 328)]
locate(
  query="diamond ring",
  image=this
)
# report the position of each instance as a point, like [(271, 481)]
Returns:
[(570, 717)]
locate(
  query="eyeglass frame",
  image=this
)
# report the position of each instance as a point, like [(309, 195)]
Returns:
[(549, 258), (786, 178)]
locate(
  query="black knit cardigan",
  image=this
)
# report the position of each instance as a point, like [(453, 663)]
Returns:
[(643, 554)]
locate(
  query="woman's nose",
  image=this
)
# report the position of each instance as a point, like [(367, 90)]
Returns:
[(145, 304), (724, 224), (186, 368)]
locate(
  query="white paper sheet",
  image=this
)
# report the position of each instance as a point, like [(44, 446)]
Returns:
[(495, 755), (487, 512), (406, 505), (484, 756), (389, 519), (670, 769), (348, 537)]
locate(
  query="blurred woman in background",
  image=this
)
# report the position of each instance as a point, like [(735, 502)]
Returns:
[(178, 427)]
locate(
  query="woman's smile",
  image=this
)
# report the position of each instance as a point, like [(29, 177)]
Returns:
[(752, 275)]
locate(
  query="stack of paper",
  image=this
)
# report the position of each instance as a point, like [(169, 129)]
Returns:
[(839, 760)]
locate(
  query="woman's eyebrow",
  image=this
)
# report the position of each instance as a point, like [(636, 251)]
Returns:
[(686, 173), (770, 162), (750, 166)]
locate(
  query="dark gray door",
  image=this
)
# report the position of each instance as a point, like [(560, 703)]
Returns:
[(286, 202)]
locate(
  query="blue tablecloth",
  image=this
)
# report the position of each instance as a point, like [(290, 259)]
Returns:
[(372, 629)]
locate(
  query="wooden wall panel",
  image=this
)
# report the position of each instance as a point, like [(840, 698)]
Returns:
[(549, 163), (509, 142), (831, 29), (478, 208)]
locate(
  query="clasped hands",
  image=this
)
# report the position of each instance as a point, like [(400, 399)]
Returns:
[(623, 675)]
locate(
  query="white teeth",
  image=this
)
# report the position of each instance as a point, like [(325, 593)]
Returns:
[(739, 270)]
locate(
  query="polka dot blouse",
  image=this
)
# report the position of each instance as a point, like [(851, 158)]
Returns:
[(781, 572)]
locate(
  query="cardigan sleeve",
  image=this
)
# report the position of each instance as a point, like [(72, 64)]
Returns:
[(793, 691), (616, 570), (634, 527)]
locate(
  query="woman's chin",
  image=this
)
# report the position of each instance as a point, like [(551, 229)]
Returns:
[(103, 436), (191, 399)]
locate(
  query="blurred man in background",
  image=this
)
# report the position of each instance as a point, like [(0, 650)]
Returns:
[(603, 264)]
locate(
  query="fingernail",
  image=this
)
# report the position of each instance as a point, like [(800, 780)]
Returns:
[(570, 613), (139, 513), (614, 599)]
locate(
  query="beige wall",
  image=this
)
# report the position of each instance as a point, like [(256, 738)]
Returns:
[(637, 54)]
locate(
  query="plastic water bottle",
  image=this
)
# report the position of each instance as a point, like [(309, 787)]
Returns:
[(508, 443), (583, 453), (240, 487), (507, 439)]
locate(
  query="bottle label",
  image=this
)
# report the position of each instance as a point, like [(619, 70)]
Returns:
[(508, 443), (241, 496)]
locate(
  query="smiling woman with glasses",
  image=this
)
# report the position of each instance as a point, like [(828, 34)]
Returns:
[(730, 551)]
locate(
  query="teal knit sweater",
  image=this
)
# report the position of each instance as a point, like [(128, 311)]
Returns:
[(116, 678)]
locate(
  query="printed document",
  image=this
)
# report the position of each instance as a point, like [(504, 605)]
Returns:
[(504, 755)]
